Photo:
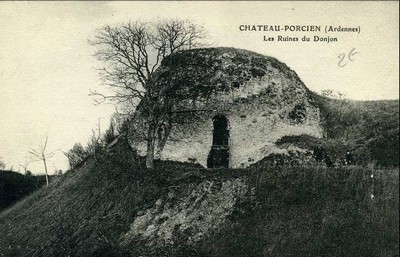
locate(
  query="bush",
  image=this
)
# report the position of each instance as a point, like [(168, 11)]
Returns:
[(110, 133), (76, 156)]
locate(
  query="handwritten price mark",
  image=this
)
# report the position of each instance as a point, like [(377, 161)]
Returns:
[(343, 61)]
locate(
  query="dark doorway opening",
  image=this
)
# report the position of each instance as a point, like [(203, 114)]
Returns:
[(219, 153)]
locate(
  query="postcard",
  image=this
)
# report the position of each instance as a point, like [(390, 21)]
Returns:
[(199, 128)]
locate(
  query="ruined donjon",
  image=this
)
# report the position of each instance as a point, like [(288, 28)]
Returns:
[(234, 105)]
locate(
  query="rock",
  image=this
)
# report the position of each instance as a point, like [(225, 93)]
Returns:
[(197, 213), (171, 195), (158, 202)]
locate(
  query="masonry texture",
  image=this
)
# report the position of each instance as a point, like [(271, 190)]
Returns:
[(260, 98)]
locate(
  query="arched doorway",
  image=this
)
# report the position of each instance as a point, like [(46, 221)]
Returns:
[(219, 153)]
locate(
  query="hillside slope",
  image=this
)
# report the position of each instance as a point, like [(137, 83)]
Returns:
[(369, 129), (112, 206), (15, 186)]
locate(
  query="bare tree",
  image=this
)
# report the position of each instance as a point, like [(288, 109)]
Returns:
[(25, 166), (95, 142), (41, 155), (132, 52)]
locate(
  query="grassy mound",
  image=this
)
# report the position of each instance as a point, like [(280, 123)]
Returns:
[(314, 211), (84, 212), (298, 211)]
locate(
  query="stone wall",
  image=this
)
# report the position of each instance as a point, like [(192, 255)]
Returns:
[(261, 110)]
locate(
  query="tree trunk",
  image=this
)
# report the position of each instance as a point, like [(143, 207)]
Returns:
[(150, 147), (45, 169)]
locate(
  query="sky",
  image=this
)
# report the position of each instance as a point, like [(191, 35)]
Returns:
[(47, 67)]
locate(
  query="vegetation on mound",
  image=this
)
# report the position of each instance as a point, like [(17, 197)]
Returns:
[(85, 211), (80, 215), (367, 129), (200, 72), (298, 211), (314, 211)]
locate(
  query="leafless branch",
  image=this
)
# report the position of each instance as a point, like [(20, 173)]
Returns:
[(131, 53), (42, 155)]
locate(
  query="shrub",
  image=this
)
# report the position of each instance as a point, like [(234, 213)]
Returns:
[(76, 155), (110, 133)]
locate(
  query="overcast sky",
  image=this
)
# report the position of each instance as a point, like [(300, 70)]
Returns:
[(47, 65)]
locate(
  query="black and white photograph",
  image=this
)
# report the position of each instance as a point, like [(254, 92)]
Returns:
[(199, 128)]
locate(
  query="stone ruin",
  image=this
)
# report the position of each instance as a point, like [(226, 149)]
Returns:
[(236, 105)]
